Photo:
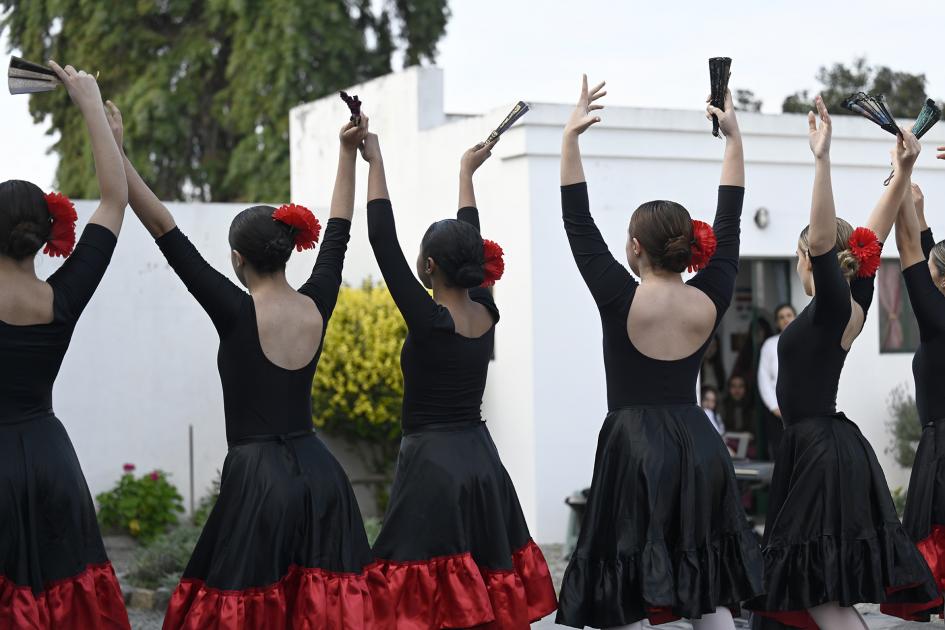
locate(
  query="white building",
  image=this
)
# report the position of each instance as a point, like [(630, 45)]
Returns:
[(146, 352), (545, 399)]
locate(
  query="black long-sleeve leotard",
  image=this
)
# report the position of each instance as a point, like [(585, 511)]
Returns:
[(928, 364), (632, 377), (810, 356), (259, 397), (444, 372), (30, 356)]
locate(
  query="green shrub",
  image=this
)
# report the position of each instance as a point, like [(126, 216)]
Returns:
[(202, 513), (358, 390), (903, 426), (162, 562), (143, 507), (373, 528)]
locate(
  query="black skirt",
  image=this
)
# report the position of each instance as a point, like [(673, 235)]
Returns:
[(924, 517), (284, 546), (455, 546), (664, 534), (832, 533), (53, 569)]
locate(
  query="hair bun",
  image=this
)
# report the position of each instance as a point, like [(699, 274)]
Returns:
[(469, 275), (676, 253), (849, 264), (26, 238)]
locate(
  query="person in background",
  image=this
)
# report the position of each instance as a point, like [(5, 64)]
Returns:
[(784, 314), (737, 406), (708, 400), (712, 372)]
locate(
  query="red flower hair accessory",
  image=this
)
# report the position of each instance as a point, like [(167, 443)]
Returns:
[(866, 248), (61, 240), (303, 221), (703, 245), (494, 265)]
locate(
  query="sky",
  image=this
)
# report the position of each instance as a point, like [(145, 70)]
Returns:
[(650, 53)]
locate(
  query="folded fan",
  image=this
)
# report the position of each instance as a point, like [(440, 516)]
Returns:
[(354, 105), (926, 119), (873, 108), (26, 77), (719, 70), (520, 109)]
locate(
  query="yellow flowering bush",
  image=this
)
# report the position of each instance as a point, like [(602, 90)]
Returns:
[(358, 389)]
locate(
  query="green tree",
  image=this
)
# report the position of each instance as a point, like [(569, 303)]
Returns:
[(745, 100), (358, 389), (904, 427), (205, 86), (904, 92)]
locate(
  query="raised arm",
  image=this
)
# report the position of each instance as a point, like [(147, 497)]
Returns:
[(415, 304), (717, 280), (153, 214), (925, 232), (822, 235), (83, 89), (904, 155), (323, 285), (907, 232), (472, 159), (733, 162), (609, 281)]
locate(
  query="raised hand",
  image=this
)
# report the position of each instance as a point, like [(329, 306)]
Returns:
[(474, 157), (115, 123), (819, 137), (82, 87), (352, 134), (906, 151), (728, 124), (582, 118), (918, 198), (370, 148)]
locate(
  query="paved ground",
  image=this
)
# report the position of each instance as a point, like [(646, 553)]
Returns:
[(152, 620)]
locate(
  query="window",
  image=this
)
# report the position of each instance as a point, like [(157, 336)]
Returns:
[(898, 330)]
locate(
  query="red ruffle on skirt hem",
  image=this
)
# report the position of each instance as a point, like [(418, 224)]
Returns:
[(305, 599), (91, 599), (454, 592), (932, 549)]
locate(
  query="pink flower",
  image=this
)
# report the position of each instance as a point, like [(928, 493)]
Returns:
[(155, 475), (128, 468)]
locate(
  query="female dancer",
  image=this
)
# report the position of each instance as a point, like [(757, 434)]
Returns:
[(664, 535), (923, 267), (53, 568), (455, 546), (285, 544), (832, 537)]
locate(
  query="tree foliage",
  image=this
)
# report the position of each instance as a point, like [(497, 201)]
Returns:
[(358, 389), (205, 86), (904, 427), (745, 100), (904, 92)]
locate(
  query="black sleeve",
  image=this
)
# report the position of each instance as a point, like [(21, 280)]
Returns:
[(831, 306), (219, 297), (610, 283), (322, 286), (470, 215), (717, 279), (928, 242), (415, 304), (928, 303), (78, 277)]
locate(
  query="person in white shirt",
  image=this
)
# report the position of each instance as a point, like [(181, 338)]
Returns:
[(768, 376), (708, 400)]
